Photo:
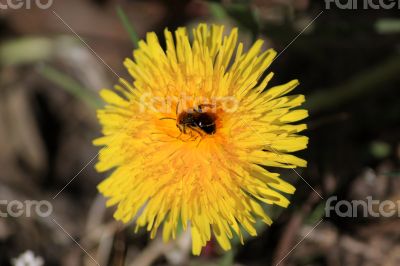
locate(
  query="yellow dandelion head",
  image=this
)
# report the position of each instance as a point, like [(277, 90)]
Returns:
[(191, 138)]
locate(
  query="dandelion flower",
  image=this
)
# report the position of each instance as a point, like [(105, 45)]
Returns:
[(190, 139)]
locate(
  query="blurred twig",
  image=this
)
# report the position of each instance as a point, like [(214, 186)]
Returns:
[(290, 233), (362, 84), (155, 249)]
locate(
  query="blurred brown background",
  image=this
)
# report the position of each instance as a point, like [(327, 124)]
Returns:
[(348, 63)]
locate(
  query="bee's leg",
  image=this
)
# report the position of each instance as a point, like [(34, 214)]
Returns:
[(185, 140), (190, 135), (193, 136), (158, 139), (198, 143), (199, 134), (197, 131), (177, 107), (179, 136), (184, 131), (188, 139), (165, 118)]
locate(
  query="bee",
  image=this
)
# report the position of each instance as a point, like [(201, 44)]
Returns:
[(197, 120)]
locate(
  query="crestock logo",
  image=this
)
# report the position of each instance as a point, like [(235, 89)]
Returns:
[(362, 4), (27, 208), (362, 208), (25, 4)]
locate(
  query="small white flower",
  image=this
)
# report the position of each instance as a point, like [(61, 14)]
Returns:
[(27, 259)]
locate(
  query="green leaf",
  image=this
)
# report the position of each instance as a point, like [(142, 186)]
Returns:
[(380, 149), (317, 214), (227, 259), (245, 16), (25, 50), (71, 86), (128, 26), (388, 26), (217, 11)]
